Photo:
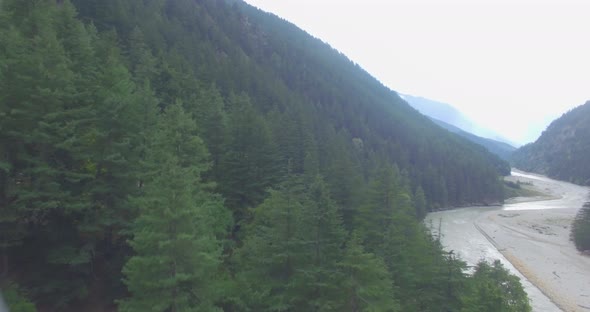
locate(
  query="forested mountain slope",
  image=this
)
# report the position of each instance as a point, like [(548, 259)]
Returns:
[(563, 149), (167, 155), (289, 75), (503, 150)]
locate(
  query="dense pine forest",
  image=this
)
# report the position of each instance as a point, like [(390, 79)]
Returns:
[(563, 150), (184, 155)]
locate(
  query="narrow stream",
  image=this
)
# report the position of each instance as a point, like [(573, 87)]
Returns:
[(461, 234)]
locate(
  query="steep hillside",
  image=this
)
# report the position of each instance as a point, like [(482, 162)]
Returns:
[(184, 155), (563, 149), (285, 72), (503, 150)]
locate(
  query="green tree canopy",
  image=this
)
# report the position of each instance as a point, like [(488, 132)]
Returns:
[(176, 265)]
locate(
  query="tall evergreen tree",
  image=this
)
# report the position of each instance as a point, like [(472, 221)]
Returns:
[(142, 62), (208, 109), (366, 284), (43, 92), (323, 236), (272, 251), (290, 257), (342, 174), (494, 289), (249, 166), (382, 202), (176, 266), (420, 203)]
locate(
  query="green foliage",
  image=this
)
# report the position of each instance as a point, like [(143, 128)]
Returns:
[(520, 189), (244, 51), (68, 170), (249, 164), (293, 257), (492, 288), (177, 258), (322, 236), (16, 300), (420, 203), (366, 283), (288, 260), (271, 251), (426, 278), (563, 150), (116, 135), (580, 232)]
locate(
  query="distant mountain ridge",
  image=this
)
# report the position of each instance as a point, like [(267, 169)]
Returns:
[(563, 149), (448, 117), (440, 111), (502, 149)]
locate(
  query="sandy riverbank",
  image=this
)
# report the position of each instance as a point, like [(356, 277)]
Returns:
[(534, 237), (537, 243), (530, 236)]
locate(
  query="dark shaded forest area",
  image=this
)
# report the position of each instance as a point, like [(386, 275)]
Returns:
[(562, 151), (176, 155)]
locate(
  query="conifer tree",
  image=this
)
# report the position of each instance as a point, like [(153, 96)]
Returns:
[(207, 107), (142, 62), (342, 175), (177, 252), (322, 235), (366, 284), (40, 92), (420, 203), (249, 164), (375, 216), (272, 251), (493, 288), (289, 259)]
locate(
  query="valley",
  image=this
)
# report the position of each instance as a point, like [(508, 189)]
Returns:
[(183, 155)]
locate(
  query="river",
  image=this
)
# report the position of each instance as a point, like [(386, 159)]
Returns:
[(530, 237)]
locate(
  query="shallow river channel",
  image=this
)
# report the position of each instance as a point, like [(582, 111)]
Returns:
[(530, 236)]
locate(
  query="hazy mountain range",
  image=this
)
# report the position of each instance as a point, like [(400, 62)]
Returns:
[(448, 117), (502, 149)]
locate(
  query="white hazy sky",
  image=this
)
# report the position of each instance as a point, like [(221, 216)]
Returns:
[(511, 66)]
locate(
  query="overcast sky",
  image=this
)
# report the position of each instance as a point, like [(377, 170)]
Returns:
[(511, 66)]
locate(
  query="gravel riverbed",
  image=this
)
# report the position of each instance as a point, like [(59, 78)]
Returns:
[(531, 238)]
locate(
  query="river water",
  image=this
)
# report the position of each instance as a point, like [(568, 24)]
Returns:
[(461, 229)]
